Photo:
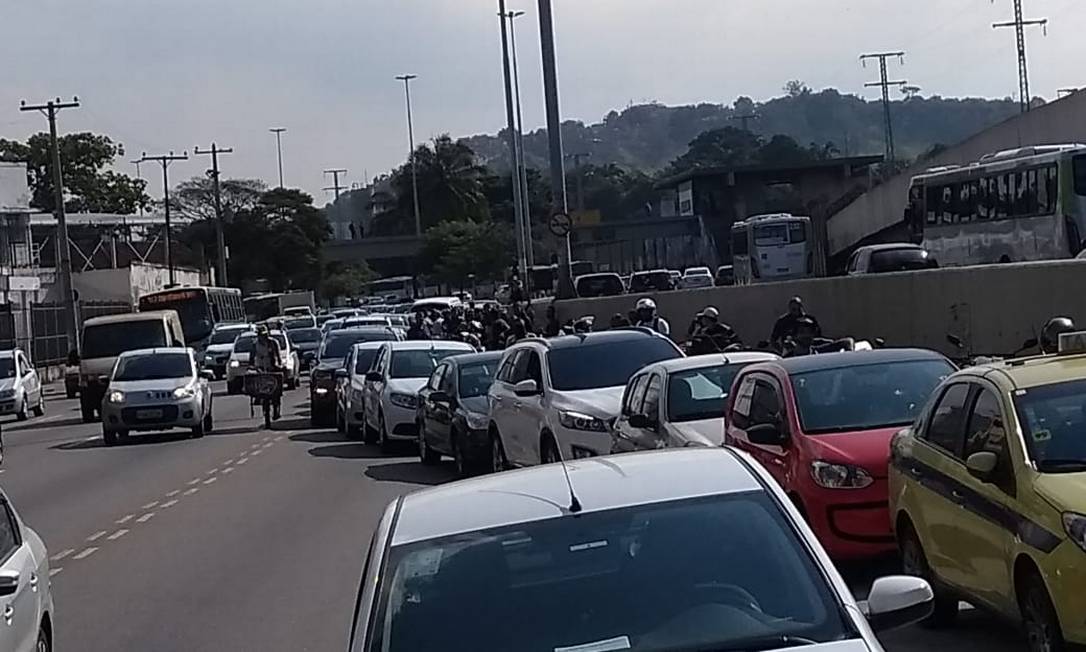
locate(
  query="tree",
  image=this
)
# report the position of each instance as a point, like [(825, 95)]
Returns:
[(727, 147), (453, 250), (796, 88), (195, 198), (89, 186), (345, 280)]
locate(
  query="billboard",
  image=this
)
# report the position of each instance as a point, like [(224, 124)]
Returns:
[(14, 190), (686, 199)]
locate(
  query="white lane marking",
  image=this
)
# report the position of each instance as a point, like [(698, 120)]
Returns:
[(124, 519), (168, 503), (171, 494), (96, 536), (146, 517), (62, 554), (256, 445), (118, 534), (279, 438), (195, 481), (228, 462), (210, 480), (150, 504), (256, 452), (192, 491), (268, 445), (228, 470), (87, 552), (54, 571), (213, 471), (242, 460)]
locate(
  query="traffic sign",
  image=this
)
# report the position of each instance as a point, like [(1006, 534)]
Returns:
[(560, 224)]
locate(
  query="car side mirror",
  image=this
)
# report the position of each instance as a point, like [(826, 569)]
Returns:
[(439, 397), (982, 465), (766, 434), (340, 374), (207, 374), (374, 376), (641, 421), (527, 388), (897, 601), (9, 582)]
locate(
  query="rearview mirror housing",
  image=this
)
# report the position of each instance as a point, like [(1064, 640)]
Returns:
[(374, 376), (207, 374), (342, 373), (766, 434), (982, 465), (439, 397), (527, 388), (897, 601), (9, 582), (641, 421)]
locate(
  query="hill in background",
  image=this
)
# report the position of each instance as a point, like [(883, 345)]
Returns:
[(648, 137)]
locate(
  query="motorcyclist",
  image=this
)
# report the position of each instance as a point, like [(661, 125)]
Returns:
[(787, 325), (647, 317), (808, 340), (417, 328), (711, 336), (619, 320), (266, 358), (1050, 333)]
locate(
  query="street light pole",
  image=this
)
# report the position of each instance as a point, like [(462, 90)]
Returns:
[(278, 131), (518, 198), (165, 161), (554, 133), (139, 175), (406, 79), (513, 15)]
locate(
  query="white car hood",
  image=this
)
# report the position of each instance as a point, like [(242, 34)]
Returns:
[(706, 432), (405, 385), (7, 383), (219, 348), (602, 403)]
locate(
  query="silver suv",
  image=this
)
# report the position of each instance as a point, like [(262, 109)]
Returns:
[(563, 394)]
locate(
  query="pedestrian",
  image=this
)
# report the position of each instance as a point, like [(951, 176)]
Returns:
[(552, 327)]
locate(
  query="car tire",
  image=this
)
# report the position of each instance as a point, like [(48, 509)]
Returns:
[(44, 644), (382, 431), (209, 421), (71, 393), (915, 563), (109, 437), (427, 455), (1039, 618), (498, 461), (369, 435), (341, 422), (548, 449), (24, 412), (39, 409), (465, 466), (233, 387)]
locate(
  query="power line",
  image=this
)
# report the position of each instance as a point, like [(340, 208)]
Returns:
[(885, 83), (165, 160), (220, 238), (335, 183), (1019, 24)]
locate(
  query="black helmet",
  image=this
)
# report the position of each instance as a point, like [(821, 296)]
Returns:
[(1050, 334)]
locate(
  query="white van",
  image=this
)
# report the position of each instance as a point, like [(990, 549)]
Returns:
[(105, 338)]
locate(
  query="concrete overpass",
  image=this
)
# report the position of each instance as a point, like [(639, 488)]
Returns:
[(389, 256), (876, 213)]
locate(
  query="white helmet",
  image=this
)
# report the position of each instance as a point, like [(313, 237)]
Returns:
[(646, 304)]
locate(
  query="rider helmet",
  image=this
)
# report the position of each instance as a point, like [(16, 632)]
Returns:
[(1050, 334)]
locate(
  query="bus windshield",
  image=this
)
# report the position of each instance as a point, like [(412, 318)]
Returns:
[(192, 307)]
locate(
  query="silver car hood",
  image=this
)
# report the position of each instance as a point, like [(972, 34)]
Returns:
[(160, 385), (602, 403), (7, 383)]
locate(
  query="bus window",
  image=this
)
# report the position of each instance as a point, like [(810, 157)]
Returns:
[(933, 195), (1003, 196), (797, 232), (1079, 170), (740, 243), (946, 205)]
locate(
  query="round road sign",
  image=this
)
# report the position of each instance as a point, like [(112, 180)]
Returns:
[(560, 224)]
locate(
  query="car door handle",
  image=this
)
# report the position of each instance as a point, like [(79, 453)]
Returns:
[(33, 581), (517, 405), (957, 495), (916, 472)]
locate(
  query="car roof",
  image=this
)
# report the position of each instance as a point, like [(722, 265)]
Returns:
[(892, 245), (475, 358), (805, 363), (136, 353), (650, 271), (714, 359), (540, 492), (232, 327), (1023, 373), (422, 345), (372, 344), (629, 334)]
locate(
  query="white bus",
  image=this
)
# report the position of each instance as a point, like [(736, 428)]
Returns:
[(1015, 205), (201, 309), (399, 288), (774, 247)]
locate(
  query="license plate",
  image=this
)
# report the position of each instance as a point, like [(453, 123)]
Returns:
[(148, 414)]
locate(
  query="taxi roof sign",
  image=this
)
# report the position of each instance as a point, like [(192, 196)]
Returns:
[(1072, 343)]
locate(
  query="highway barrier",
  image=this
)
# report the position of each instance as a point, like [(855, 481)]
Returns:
[(992, 308)]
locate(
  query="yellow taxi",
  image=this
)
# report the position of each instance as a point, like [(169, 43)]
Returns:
[(988, 493)]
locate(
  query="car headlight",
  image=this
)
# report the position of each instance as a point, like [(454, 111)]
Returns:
[(477, 421), (839, 476), (408, 401), (7, 393), (235, 364), (184, 392), (116, 397), (579, 421), (320, 391), (1075, 525)]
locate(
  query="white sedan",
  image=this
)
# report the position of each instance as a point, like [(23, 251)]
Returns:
[(26, 593), (20, 388), (393, 383), (679, 402)]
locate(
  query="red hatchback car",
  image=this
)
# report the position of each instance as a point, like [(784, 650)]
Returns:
[(821, 425)]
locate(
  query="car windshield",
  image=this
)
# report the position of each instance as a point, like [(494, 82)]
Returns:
[(226, 336), (7, 367), (304, 336), (153, 367), (110, 340), (610, 364), (419, 363), (476, 378), (600, 286), (338, 344), (299, 322), (650, 281), (245, 344), (724, 589), (1053, 418), (865, 396), (899, 260), (364, 360), (698, 394)]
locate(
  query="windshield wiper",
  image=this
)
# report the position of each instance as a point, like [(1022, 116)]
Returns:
[(774, 642), (1066, 465)]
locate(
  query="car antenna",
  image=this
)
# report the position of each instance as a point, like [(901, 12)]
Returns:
[(574, 504)]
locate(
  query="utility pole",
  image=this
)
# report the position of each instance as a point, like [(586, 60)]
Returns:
[(220, 269), (64, 264), (165, 160), (278, 131), (885, 83), (554, 134), (529, 249), (406, 79), (335, 183), (1019, 24), (746, 119), (514, 147), (579, 167), (139, 175)]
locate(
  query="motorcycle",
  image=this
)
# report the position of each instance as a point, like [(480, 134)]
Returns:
[(264, 388)]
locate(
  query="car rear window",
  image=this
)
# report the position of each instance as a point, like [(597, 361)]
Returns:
[(600, 286), (899, 260), (337, 344), (111, 340)]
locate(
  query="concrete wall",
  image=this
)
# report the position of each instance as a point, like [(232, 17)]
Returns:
[(1062, 121), (994, 308)]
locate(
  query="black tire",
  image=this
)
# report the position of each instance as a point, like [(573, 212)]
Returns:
[(45, 644), (88, 412), (427, 455), (915, 562), (39, 409), (109, 437), (498, 461), (382, 429), (465, 467), (71, 393), (24, 412), (209, 421), (369, 435), (341, 422), (1039, 618), (267, 417)]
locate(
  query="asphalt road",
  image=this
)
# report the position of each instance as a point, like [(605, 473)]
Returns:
[(246, 539)]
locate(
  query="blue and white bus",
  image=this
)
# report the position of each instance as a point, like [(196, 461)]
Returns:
[(201, 309)]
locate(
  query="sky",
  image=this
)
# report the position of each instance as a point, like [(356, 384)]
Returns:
[(161, 75)]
